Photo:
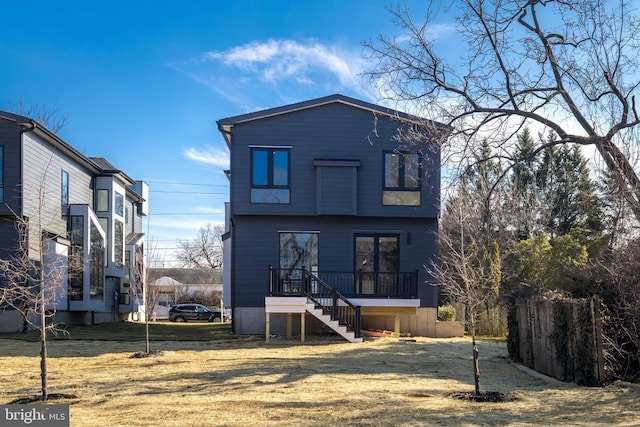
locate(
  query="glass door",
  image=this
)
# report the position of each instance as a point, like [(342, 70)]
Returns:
[(376, 264)]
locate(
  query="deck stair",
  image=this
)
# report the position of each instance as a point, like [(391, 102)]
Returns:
[(335, 325)]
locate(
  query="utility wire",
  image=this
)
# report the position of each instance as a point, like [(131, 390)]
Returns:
[(188, 183), (182, 213), (184, 192)]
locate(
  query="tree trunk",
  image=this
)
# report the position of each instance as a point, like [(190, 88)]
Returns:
[(146, 321), (43, 353), (476, 368)]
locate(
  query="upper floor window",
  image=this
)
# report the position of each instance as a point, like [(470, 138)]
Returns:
[(270, 175), (119, 205), (1, 173), (102, 202), (64, 187), (401, 179)]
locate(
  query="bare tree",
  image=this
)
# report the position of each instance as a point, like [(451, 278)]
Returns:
[(565, 66), (468, 270), (43, 113), (205, 251), (146, 296), (35, 278)]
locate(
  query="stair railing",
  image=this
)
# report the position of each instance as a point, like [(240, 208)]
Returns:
[(332, 302)]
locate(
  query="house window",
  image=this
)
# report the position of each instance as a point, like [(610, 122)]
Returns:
[(1, 173), (401, 179), (104, 223), (126, 215), (119, 208), (102, 202), (298, 249), (64, 187), (270, 175), (118, 243), (96, 264), (77, 258)]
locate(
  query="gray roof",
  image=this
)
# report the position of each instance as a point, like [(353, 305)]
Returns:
[(108, 169), (225, 125), (98, 164), (31, 125)]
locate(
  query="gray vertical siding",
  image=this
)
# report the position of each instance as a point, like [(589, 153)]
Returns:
[(12, 172)]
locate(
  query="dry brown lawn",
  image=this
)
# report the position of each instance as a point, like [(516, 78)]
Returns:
[(245, 382)]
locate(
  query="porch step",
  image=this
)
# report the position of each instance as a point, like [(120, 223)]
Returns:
[(333, 324)]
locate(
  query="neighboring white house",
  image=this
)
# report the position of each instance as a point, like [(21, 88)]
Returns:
[(172, 284)]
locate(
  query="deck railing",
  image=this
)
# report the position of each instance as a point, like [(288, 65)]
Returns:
[(289, 281), (332, 302)]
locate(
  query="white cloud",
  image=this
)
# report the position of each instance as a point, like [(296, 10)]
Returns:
[(208, 155), (277, 60), (281, 71)]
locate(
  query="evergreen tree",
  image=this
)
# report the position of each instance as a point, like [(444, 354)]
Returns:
[(524, 205), (569, 193)]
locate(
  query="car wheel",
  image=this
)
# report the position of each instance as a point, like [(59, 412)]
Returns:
[(180, 319), (215, 319)]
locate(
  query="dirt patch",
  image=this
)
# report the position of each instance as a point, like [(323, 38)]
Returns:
[(143, 354), (50, 397), (483, 396)]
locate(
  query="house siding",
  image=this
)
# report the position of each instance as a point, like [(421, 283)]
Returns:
[(12, 168), (256, 245), (337, 152), (8, 236), (333, 131), (44, 204)]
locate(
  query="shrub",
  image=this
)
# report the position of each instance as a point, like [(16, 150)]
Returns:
[(447, 313)]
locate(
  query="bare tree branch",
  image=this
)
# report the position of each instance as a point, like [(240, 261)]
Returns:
[(205, 251), (569, 67), (46, 115)]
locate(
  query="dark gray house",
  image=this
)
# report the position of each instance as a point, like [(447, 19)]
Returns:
[(329, 221), (84, 209)]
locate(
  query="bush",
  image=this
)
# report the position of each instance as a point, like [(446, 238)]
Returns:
[(447, 313)]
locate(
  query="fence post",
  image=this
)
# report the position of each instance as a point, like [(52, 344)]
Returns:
[(597, 330)]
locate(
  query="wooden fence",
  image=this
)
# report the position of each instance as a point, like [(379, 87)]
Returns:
[(558, 337)]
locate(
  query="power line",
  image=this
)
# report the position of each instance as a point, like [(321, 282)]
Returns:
[(188, 183), (188, 214), (185, 192)]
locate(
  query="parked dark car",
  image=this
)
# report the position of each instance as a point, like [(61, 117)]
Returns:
[(185, 312)]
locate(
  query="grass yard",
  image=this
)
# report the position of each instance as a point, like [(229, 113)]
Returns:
[(208, 377)]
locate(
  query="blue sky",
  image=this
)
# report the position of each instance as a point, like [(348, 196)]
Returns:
[(143, 82)]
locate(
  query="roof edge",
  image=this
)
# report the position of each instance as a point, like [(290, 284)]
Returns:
[(225, 124)]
